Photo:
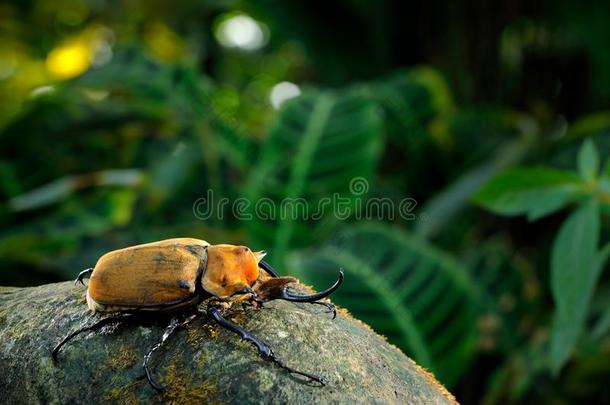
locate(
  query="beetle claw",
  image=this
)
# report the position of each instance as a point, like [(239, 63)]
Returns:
[(310, 377), (330, 308), (156, 386)]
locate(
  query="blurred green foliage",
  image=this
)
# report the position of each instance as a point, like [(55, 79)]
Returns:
[(576, 263), (118, 119)]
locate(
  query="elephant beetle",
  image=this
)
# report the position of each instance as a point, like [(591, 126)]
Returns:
[(174, 276)]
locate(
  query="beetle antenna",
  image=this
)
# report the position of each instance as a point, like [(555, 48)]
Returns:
[(288, 296), (267, 267)]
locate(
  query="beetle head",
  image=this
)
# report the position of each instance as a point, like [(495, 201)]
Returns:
[(230, 269)]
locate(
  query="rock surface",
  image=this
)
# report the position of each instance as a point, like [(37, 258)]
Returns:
[(201, 363)]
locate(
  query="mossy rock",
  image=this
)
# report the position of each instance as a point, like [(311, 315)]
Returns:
[(201, 363)]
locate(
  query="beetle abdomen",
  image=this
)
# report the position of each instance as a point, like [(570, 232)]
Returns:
[(153, 275)]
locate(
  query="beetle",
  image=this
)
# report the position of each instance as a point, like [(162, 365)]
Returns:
[(174, 277)]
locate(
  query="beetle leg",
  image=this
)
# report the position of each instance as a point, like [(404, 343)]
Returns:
[(99, 324), (83, 274), (263, 348), (174, 324), (249, 304)]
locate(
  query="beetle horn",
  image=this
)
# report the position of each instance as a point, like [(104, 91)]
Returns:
[(288, 296), (267, 267), (260, 254)]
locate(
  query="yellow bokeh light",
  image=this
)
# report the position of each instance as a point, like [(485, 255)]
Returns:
[(69, 60), (163, 43)]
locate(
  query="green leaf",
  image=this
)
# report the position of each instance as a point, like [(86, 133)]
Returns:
[(169, 172), (589, 124), (320, 143), (445, 205), (438, 87), (604, 181), (43, 242), (61, 189), (599, 309), (536, 191), (588, 161), (411, 100), (604, 184), (602, 326), (412, 293), (575, 268), (232, 143)]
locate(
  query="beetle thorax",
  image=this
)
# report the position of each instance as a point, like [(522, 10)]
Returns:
[(229, 269)]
